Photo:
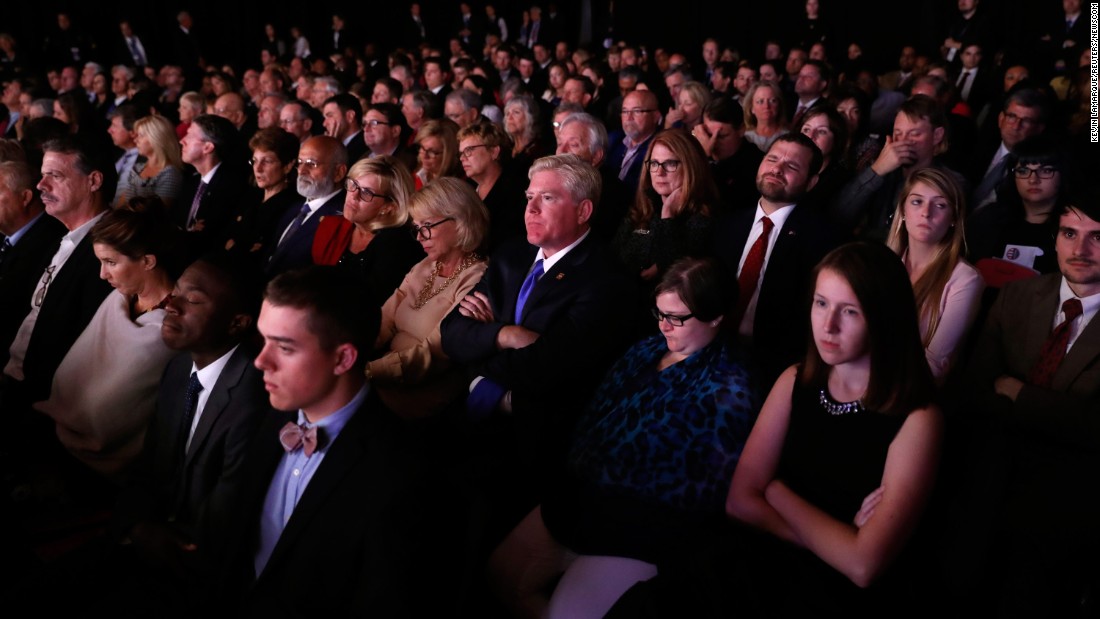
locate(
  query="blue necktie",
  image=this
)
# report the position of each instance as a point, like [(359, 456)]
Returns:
[(296, 224), (525, 289)]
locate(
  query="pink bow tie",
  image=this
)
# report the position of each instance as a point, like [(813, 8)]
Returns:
[(293, 436)]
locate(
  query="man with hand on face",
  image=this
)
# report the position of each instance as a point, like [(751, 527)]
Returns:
[(870, 198), (733, 166), (332, 492), (344, 121), (322, 167)]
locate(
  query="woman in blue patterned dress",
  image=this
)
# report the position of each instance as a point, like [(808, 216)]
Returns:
[(650, 462)]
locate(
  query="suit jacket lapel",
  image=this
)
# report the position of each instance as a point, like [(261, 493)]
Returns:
[(1085, 350), (219, 398), (1042, 312), (343, 454), (555, 277)]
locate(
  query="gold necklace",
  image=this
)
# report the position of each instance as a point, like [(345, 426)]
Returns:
[(426, 293)]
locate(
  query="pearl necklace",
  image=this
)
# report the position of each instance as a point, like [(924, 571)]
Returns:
[(426, 293), (839, 408)]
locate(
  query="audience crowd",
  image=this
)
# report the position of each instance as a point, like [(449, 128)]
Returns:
[(503, 323)]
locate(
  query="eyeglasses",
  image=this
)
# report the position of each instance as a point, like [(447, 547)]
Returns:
[(426, 229), (1023, 120), (671, 319), (286, 122), (468, 152), (427, 152), (263, 162), (636, 111), (312, 164), (668, 165), (362, 193), (47, 277), (374, 123), (1023, 172)]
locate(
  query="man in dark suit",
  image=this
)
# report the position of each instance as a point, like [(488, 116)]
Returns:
[(211, 401), (30, 238), (1026, 526), (332, 491), (542, 325), (210, 199), (77, 181), (773, 249), (344, 121), (1024, 115), (641, 117), (322, 167)]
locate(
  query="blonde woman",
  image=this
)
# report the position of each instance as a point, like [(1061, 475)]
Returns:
[(372, 238), (766, 119), (159, 166), (928, 234), (437, 143), (413, 376), (688, 113)]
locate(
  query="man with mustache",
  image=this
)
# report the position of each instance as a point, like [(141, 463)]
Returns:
[(75, 187), (1024, 535), (773, 249), (322, 166)]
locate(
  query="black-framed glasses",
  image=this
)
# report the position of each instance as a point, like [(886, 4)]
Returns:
[(668, 165), (1023, 172), (636, 111), (426, 229), (429, 152), (362, 193), (672, 319), (468, 152), (47, 277), (375, 122)]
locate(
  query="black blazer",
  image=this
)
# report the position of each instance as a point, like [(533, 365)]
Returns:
[(296, 252), (223, 199), (781, 321), (20, 271), (193, 490), (73, 296), (357, 148), (358, 535)]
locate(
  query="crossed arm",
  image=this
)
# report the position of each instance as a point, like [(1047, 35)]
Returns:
[(863, 549)]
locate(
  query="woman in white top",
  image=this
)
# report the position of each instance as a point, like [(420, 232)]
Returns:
[(105, 389)]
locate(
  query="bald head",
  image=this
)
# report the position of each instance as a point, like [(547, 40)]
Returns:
[(230, 106)]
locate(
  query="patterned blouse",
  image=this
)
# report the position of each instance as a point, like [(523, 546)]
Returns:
[(672, 437)]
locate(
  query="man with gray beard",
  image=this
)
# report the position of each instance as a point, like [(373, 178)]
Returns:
[(322, 166)]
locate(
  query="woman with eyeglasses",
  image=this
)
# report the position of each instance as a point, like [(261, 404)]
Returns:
[(835, 474), (273, 161), (105, 390), (670, 217), (1020, 226), (650, 462), (413, 376), (767, 117), (437, 151), (483, 152), (372, 238), (928, 233)]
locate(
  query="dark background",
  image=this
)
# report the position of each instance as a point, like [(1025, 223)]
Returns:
[(232, 30)]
